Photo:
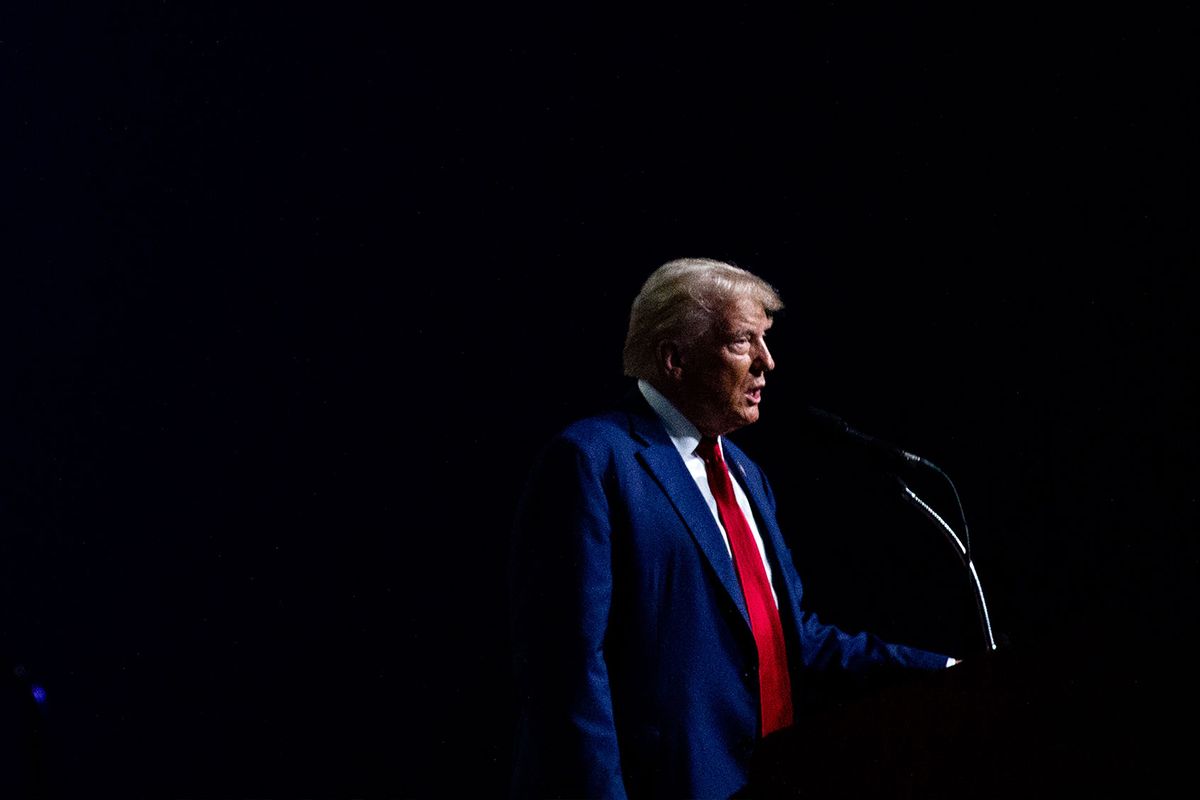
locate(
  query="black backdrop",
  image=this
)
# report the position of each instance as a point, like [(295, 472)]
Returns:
[(290, 299)]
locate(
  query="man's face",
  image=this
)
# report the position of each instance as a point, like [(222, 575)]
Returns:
[(721, 376)]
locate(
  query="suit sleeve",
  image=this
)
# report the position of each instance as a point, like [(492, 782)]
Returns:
[(561, 593), (828, 647)]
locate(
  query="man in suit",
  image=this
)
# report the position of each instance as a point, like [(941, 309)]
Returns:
[(657, 621)]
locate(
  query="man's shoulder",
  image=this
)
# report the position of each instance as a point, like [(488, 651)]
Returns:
[(629, 424), (605, 429), (593, 443), (619, 420)]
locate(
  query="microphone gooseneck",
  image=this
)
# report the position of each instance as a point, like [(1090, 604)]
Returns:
[(963, 554)]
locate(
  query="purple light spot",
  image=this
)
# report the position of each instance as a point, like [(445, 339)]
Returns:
[(39, 694)]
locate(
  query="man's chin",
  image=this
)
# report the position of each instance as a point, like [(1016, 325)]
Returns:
[(748, 416)]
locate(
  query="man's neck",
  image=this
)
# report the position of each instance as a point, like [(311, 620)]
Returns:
[(677, 422)]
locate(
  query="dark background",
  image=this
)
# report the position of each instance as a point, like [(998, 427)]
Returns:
[(291, 297)]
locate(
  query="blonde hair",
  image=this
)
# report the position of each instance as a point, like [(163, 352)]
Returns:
[(680, 301)]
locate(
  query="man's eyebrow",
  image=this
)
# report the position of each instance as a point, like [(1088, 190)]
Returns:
[(754, 329)]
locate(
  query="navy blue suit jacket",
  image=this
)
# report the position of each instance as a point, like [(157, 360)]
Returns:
[(635, 663)]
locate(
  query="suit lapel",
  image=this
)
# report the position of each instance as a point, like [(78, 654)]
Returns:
[(662, 460), (767, 525)]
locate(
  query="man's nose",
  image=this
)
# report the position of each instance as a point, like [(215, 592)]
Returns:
[(766, 363)]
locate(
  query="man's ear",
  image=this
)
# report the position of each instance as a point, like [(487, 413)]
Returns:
[(670, 360)]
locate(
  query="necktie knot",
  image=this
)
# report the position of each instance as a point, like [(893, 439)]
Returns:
[(709, 450)]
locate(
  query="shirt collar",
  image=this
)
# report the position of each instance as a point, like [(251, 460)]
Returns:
[(684, 435)]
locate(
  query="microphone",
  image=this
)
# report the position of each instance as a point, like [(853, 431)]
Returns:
[(962, 547), (836, 424)]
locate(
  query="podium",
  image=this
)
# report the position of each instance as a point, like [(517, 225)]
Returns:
[(1008, 724)]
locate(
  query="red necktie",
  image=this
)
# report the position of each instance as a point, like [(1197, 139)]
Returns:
[(774, 685)]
